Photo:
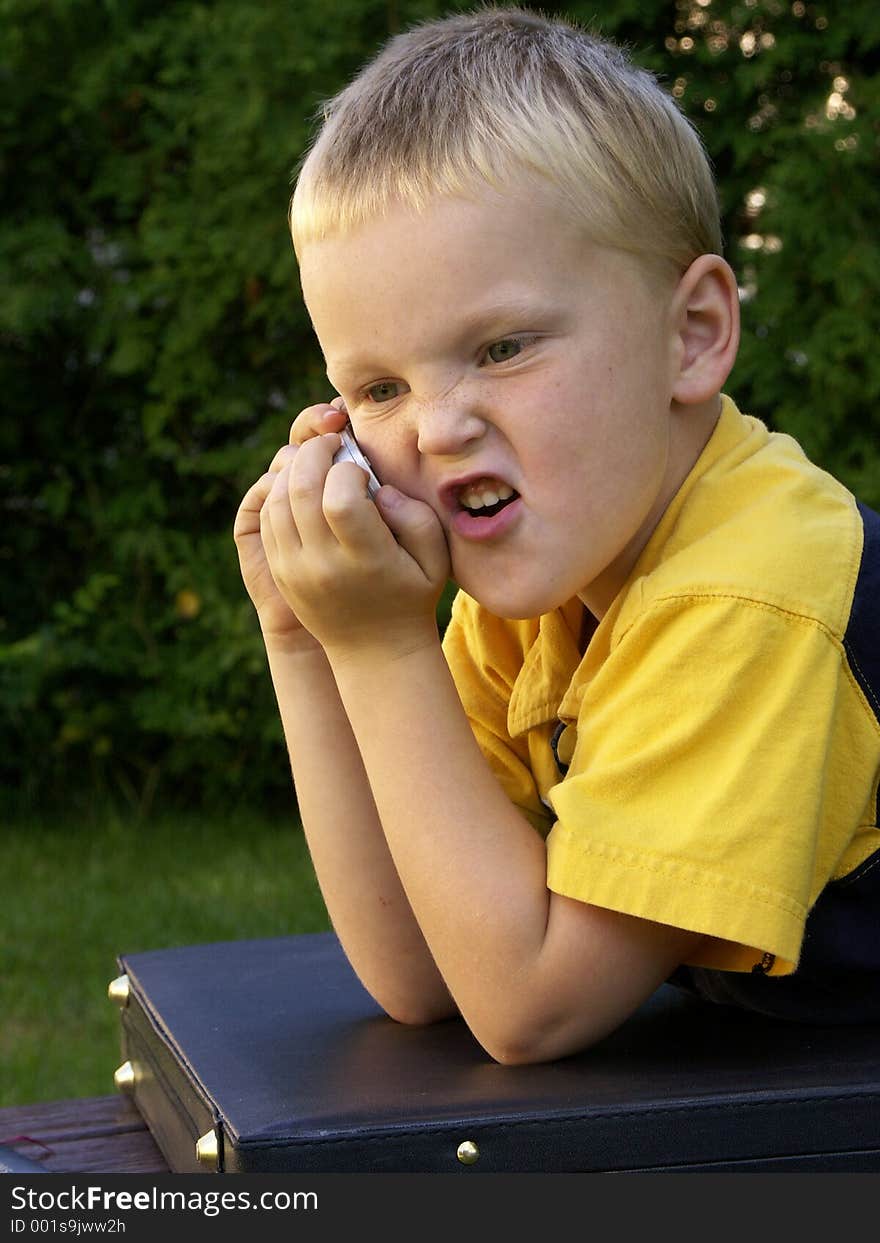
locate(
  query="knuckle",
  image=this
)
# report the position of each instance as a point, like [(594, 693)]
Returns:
[(284, 455), (344, 490), (336, 505), (348, 476), (300, 429), (302, 488), (307, 472), (424, 523), (307, 424), (275, 503)]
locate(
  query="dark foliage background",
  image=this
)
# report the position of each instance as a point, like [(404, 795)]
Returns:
[(153, 349)]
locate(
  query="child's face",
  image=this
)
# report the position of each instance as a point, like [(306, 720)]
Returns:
[(487, 353)]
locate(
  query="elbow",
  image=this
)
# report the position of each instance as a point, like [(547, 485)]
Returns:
[(508, 1040), (416, 1018), (527, 1043), (417, 1009), (503, 1049), (416, 1014), (519, 1053)]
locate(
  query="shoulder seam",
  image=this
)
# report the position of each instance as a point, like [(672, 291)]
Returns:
[(707, 597)]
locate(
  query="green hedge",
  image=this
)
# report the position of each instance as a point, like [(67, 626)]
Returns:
[(154, 349)]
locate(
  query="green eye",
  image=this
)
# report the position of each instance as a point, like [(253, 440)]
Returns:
[(385, 390), (504, 350)]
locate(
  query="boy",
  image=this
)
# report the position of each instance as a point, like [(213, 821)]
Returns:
[(649, 746)]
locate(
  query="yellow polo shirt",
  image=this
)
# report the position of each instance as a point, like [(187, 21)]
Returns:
[(722, 758)]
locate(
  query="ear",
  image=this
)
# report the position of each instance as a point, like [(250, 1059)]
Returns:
[(705, 310)]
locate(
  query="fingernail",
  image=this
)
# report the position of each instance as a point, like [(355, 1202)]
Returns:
[(388, 496)]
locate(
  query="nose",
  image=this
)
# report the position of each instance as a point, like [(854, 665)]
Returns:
[(449, 424)]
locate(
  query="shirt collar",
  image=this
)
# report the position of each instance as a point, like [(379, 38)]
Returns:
[(545, 678)]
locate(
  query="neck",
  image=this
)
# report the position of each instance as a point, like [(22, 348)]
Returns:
[(692, 429)]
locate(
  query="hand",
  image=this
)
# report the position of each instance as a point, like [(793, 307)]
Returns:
[(359, 576), (277, 619)]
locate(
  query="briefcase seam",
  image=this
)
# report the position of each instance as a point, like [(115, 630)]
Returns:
[(474, 1127)]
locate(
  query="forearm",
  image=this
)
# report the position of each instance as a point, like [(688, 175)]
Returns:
[(473, 868), (357, 876), (383, 753)]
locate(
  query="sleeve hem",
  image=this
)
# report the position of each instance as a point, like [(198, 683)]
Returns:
[(741, 921)]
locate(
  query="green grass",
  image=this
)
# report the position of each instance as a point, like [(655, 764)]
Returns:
[(74, 895)]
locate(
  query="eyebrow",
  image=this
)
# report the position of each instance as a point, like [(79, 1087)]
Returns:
[(507, 311), (507, 314)]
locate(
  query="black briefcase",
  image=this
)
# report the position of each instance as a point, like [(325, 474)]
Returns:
[(268, 1056)]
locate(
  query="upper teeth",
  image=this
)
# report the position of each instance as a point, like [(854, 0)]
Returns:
[(481, 495)]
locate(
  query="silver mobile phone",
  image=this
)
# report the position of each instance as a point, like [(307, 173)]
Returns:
[(350, 451)]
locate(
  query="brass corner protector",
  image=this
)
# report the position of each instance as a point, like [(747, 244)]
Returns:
[(125, 1077), (208, 1150), (119, 989)]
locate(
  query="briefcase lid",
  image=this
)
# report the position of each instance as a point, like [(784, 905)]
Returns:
[(292, 1054)]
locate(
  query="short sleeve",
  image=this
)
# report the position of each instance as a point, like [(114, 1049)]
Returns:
[(485, 655), (712, 784)]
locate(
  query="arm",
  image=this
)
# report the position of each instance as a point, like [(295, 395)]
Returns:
[(357, 877), (536, 975), (359, 882)]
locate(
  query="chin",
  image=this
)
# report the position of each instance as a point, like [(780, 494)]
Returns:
[(509, 601)]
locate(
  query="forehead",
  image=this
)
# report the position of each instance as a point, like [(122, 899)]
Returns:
[(491, 237), (408, 276)]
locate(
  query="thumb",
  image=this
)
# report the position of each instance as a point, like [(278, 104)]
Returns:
[(417, 529)]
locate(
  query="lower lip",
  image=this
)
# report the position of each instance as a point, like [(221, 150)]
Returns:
[(479, 529)]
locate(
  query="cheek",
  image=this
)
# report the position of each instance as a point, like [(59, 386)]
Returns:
[(392, 458)]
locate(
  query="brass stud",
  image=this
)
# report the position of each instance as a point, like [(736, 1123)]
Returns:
[(208, 1150), (119, 989), (468, 1152), (124, 1078)]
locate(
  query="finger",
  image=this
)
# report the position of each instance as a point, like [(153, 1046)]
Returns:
[(283, 457), (316, 420), (247, 519), (417, 529), (349, 510), (306, 480), (269, 542), (277, 524)]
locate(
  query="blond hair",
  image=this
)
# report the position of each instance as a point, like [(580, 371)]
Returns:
[(483, 97)]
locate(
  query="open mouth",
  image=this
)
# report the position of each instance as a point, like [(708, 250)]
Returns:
[(486, 497)]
